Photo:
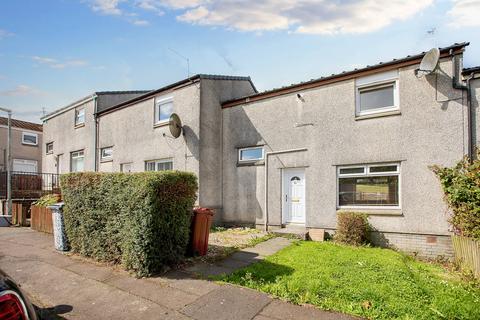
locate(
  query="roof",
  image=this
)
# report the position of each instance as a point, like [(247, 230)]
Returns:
[(344, 75), (88, 98), (177, 84), (21, 124), (468, 71)]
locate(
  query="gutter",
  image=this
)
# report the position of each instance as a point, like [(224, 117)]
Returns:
[(95, 135), (465, 87)]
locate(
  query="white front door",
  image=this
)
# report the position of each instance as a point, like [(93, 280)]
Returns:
[(294, 195)]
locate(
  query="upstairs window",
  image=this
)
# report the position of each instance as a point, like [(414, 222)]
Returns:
[(163, 110), (377, 93), (49, 148), (369, 186), (30, 138), (79, 116), (106, 153), (250, 154), (159, 165)]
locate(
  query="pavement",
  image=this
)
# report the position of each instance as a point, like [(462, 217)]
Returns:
[(70, 287)]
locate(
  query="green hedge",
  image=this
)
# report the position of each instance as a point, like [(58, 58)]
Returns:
[(461, 186), (140, 220)]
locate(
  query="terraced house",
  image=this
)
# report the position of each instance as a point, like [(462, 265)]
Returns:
[(292, 158)]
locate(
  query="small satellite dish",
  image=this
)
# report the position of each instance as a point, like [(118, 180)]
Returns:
[(175, 125), (429, 62)]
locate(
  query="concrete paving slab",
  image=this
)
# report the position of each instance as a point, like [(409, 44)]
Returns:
[(185, 282), (286, 311), (206, 269), (91, 271), (269, 247), (227, 302), (166, 296)]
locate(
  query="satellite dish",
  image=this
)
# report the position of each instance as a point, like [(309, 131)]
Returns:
[(429, 62), (175, 125)]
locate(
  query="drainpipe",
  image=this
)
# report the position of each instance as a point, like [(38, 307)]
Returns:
[(466, 87), (95, 136), (265, 218), (9, 161)]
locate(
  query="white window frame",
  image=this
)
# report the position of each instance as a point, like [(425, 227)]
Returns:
[(77, 111), (377, 81), (167, 160), (46, 147), (25, 162), (250, 160), (366, 173), (158, 102), (122, 167), (102, 157), (29, 134), (71, 158)]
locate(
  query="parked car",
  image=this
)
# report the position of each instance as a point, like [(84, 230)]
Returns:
[(14, 304)]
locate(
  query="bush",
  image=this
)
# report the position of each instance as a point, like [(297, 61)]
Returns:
[(352, 228), (47, 200), (140, 220), (461, 186)]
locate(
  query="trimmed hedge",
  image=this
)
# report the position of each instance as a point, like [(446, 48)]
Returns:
[(461, 186), (352, 228), (139, 220)]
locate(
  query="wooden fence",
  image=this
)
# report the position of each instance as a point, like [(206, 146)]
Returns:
[(467, 252), (19, 214), (41, 219)]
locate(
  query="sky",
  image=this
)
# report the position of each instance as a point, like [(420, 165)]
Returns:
[(54, 52)]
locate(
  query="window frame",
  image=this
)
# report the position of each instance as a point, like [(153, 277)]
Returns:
[(46, 147), (71, 158), (77, 111), (377, 82), (158, 102), (239, 156), (25, 133), (367, 173), (122, 167), (165, 160), (106, 158)]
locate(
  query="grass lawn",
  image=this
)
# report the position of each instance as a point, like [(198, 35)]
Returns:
[(369, 282)]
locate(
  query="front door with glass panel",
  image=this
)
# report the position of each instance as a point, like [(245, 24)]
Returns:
[(294, 195)]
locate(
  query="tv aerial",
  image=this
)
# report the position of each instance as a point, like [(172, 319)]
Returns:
[(429, 63)]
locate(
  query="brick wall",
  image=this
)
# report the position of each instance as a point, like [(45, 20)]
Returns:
[(424, 246)]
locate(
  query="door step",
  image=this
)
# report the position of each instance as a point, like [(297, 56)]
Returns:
[(297, 232)]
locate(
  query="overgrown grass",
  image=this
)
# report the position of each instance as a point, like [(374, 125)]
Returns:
[(369, 282)]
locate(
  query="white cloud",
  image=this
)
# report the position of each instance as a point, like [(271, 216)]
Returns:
[(300, 16), (308, 16), (110, 7), (465, 13), (5, 34), (20, 90), (140, 22), (57, 64)]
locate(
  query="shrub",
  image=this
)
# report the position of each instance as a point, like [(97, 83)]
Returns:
[(352, 228), (47, 200), (461, 186), (140, 220)]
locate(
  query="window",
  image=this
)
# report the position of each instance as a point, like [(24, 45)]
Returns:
[(79, 116), (49, 148), (250, 154), (77, 160), (377, 93), (163, 110), (29, 138), (159, 165), (126, 167), (22, 165), (106, 153), (369, 186)]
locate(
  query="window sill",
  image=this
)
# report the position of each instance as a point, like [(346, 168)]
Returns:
[(106, 160), (161, 124), (251, 163), (81, 125), (29, 144), (373, 212), (47, 153), (378, 115)]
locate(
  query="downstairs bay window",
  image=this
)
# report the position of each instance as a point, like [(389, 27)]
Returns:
[(369, 186)]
